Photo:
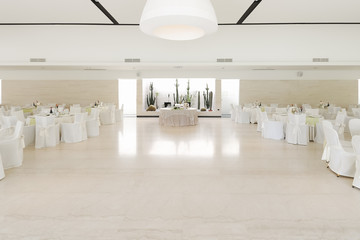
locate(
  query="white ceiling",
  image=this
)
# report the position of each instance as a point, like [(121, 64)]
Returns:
[(250, 46), (129, 11)]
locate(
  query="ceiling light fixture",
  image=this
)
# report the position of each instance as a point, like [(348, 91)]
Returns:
[(178, 19)]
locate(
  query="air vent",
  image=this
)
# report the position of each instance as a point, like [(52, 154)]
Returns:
[(224, 60), (132, 59), (263, 69), (37, 59), (94, 69), (320, 60)]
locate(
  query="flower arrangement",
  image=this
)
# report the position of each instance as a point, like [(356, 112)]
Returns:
[(324, 105), (36, 103)]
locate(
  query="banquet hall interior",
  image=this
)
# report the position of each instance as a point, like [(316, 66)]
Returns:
[(179, 120)]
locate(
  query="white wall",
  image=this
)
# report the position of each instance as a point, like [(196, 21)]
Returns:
[(341, 93), (18, 92), (95, 44)]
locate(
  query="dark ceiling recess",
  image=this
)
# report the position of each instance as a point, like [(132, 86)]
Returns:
[(249, 11), (104, 11)]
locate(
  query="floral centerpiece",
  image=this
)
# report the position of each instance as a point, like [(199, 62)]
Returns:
[(324, 105)]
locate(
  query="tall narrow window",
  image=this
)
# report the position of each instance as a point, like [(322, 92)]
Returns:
[(230, 89), (127, 95)]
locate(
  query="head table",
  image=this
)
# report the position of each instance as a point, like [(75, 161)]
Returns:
[(178, 117)]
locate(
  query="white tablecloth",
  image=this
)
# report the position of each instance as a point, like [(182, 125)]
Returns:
[(178, 117)]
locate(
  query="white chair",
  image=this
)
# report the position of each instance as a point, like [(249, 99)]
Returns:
[(119, 113), (107, 115), (242, 117), (356, 146), (74, 132), (29, 135), (341, 162), (339, 124), (312, 111), (19, 115), (47, 132), (354, 126), (326, 152), (297, 131), (8, 121), (2, 173), (75, 109), (356, 112), (92, 123), (260, 119), (274, 105), (232, 112), (11, 148), (272, 129), (280, 110)]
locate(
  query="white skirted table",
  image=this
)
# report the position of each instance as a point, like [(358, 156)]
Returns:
[(178, 117)]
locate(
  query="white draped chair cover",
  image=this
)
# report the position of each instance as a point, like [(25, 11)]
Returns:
[(92, 123), (2, 173), (76, 131), (19, 115), (8, 121), (326, 152), (47, 132), (339, 124), (297, 131), (119, 113), (271, 129), (11, 148), (107, 115), (312, 111), (341, 162), (354, 127), (356, 146), (232, 112), (75, 109), (242, 117), (356, 112)]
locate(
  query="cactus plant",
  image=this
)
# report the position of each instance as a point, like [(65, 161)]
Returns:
[(208, 98), (188, 95), (198, 100), (177, 92), (150, 100)]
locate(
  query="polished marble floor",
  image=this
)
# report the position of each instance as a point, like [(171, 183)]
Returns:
[(139, 181)]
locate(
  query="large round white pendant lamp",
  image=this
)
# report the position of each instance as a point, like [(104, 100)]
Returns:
[(178, 19)]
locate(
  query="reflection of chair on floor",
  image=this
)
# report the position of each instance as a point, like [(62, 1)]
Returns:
[(11, 148), (296, 129), (47, 132)]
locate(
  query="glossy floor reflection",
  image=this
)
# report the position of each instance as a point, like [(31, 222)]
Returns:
[(217, 180)]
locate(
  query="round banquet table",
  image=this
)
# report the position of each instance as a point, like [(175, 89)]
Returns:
[(178, 117)]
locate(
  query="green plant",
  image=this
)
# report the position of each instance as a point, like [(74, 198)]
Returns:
[(208, 98), (198, 100), (151, 99), (188, 96), (178, 99)]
